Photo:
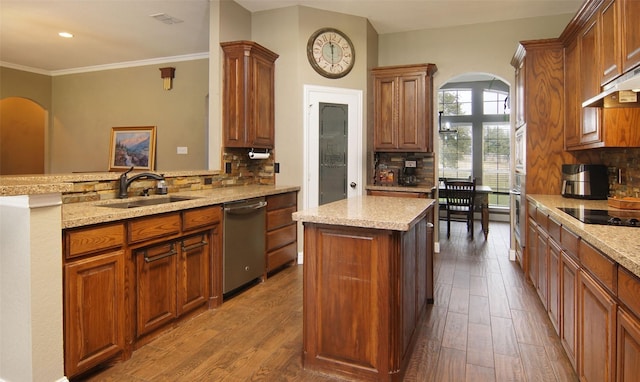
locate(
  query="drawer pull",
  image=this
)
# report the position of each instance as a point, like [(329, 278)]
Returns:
[(148, 259), (194, 246)]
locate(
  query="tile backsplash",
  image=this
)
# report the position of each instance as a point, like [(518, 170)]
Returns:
[(395, 162), (624, 168)]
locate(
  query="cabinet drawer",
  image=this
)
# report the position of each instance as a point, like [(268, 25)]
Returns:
[(153, 227), (281, 256), (84, 241), (275, 202), (531, 210), (569, 241), (281, 237), (201, 217), (601, 267), (554, 229), (629, 290), (542, 219), (279, 218)]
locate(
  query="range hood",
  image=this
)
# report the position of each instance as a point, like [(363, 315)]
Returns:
[(627, 82)]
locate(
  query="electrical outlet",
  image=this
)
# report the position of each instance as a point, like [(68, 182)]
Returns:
[(208, 181), (276, 167), (409, 163), (227, 168)]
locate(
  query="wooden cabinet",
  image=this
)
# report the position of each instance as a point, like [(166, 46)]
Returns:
[(282, 231), (610, 43), (365, 333), (630, 33), (572, 98), (124, 281), (248, 95), (553, 294), (403, 108), (94, 311), (94, 290), (539, 92), (543, 266), (532, 252), (628, 348), (597, 331), (590, 129), (568, 306)]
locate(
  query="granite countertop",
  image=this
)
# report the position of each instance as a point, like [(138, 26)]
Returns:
[(622, 244), (379, 212), (87, 213), (401, 188), (12, 185)]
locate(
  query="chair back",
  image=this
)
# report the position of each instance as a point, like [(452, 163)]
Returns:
[(460, 193)]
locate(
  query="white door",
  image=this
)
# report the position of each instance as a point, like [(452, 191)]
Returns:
[(313, 97)]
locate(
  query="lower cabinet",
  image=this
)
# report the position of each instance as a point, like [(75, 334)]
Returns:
[(628, 349), (193, 266), (282, 231), (94, 309), (597, 331), (568, 305), (553, 275)]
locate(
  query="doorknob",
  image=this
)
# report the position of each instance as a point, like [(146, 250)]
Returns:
[(353, 184)]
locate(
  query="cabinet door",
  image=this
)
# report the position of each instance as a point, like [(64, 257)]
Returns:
[(385, 121), (597, 330), (543, 267), (94, 311), (554, 284), (572, 99), (156, 288), (411, 112), (519, 93), (590, 82), (628, 363), (261, 115), (193, 284), (568, 306), (610, 54), (630, 14), (532, 252)]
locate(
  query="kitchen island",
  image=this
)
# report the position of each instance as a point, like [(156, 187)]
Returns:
[(368, 276)]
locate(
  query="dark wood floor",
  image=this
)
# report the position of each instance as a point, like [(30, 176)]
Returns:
[(487, 324)]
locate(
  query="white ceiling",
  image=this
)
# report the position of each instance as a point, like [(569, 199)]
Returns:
[(109, 32)]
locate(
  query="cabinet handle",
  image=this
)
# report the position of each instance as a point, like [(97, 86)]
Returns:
[(194, 246), (172, 252)]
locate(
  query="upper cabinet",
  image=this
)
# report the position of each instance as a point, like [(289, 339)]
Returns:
[(403, 108), (248, 95), (630, 33), (601, 44)]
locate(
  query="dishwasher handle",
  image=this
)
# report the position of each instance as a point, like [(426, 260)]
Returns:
[(245, 209)]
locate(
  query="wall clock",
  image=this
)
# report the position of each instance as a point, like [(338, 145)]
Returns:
[(331, 53)]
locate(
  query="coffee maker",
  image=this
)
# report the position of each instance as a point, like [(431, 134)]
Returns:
[(409, 177)]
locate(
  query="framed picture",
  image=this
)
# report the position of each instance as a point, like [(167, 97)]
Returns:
[(132, 146)]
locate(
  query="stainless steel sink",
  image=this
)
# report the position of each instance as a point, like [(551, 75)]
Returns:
[(147, 202)]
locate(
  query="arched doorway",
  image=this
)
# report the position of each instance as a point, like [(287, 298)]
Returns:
[(22, 136)]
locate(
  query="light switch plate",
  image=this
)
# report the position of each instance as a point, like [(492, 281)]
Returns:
[(182, 150), (409, 163)]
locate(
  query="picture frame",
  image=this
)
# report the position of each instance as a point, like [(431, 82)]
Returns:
[(132, 146)]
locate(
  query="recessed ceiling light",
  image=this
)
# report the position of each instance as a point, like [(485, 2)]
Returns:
[(65, 34)]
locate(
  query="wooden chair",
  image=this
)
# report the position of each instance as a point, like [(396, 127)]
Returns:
[(460, 202)]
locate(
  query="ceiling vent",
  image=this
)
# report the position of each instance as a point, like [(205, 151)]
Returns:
[(165, 18)]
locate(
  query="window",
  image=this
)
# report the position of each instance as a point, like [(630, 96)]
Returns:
[(475, 140), (455, 102), (456, 154), (496, 145)]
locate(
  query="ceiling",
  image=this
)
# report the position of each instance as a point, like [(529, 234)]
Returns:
[(109, 32)]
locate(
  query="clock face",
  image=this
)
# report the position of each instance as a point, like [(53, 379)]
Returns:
[(330, 53)]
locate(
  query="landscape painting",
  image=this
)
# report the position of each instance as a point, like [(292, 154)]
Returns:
[(132, 146)]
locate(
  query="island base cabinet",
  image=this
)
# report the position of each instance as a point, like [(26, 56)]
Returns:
[(364, 293), (94, 311), (597, 331), (628, 354)]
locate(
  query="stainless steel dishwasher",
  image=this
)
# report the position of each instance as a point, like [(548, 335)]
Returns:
[(244, 242)]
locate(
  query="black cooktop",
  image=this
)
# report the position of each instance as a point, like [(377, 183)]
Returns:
[(623, 218)]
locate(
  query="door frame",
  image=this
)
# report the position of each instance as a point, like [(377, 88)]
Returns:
[(313, 95)]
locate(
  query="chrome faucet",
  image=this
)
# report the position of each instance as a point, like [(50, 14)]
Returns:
[(124, 182)]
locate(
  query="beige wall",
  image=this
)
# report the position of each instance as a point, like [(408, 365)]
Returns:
[(22, 138), (33, 86), (485, 48), (87, 105), (286, 32)]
